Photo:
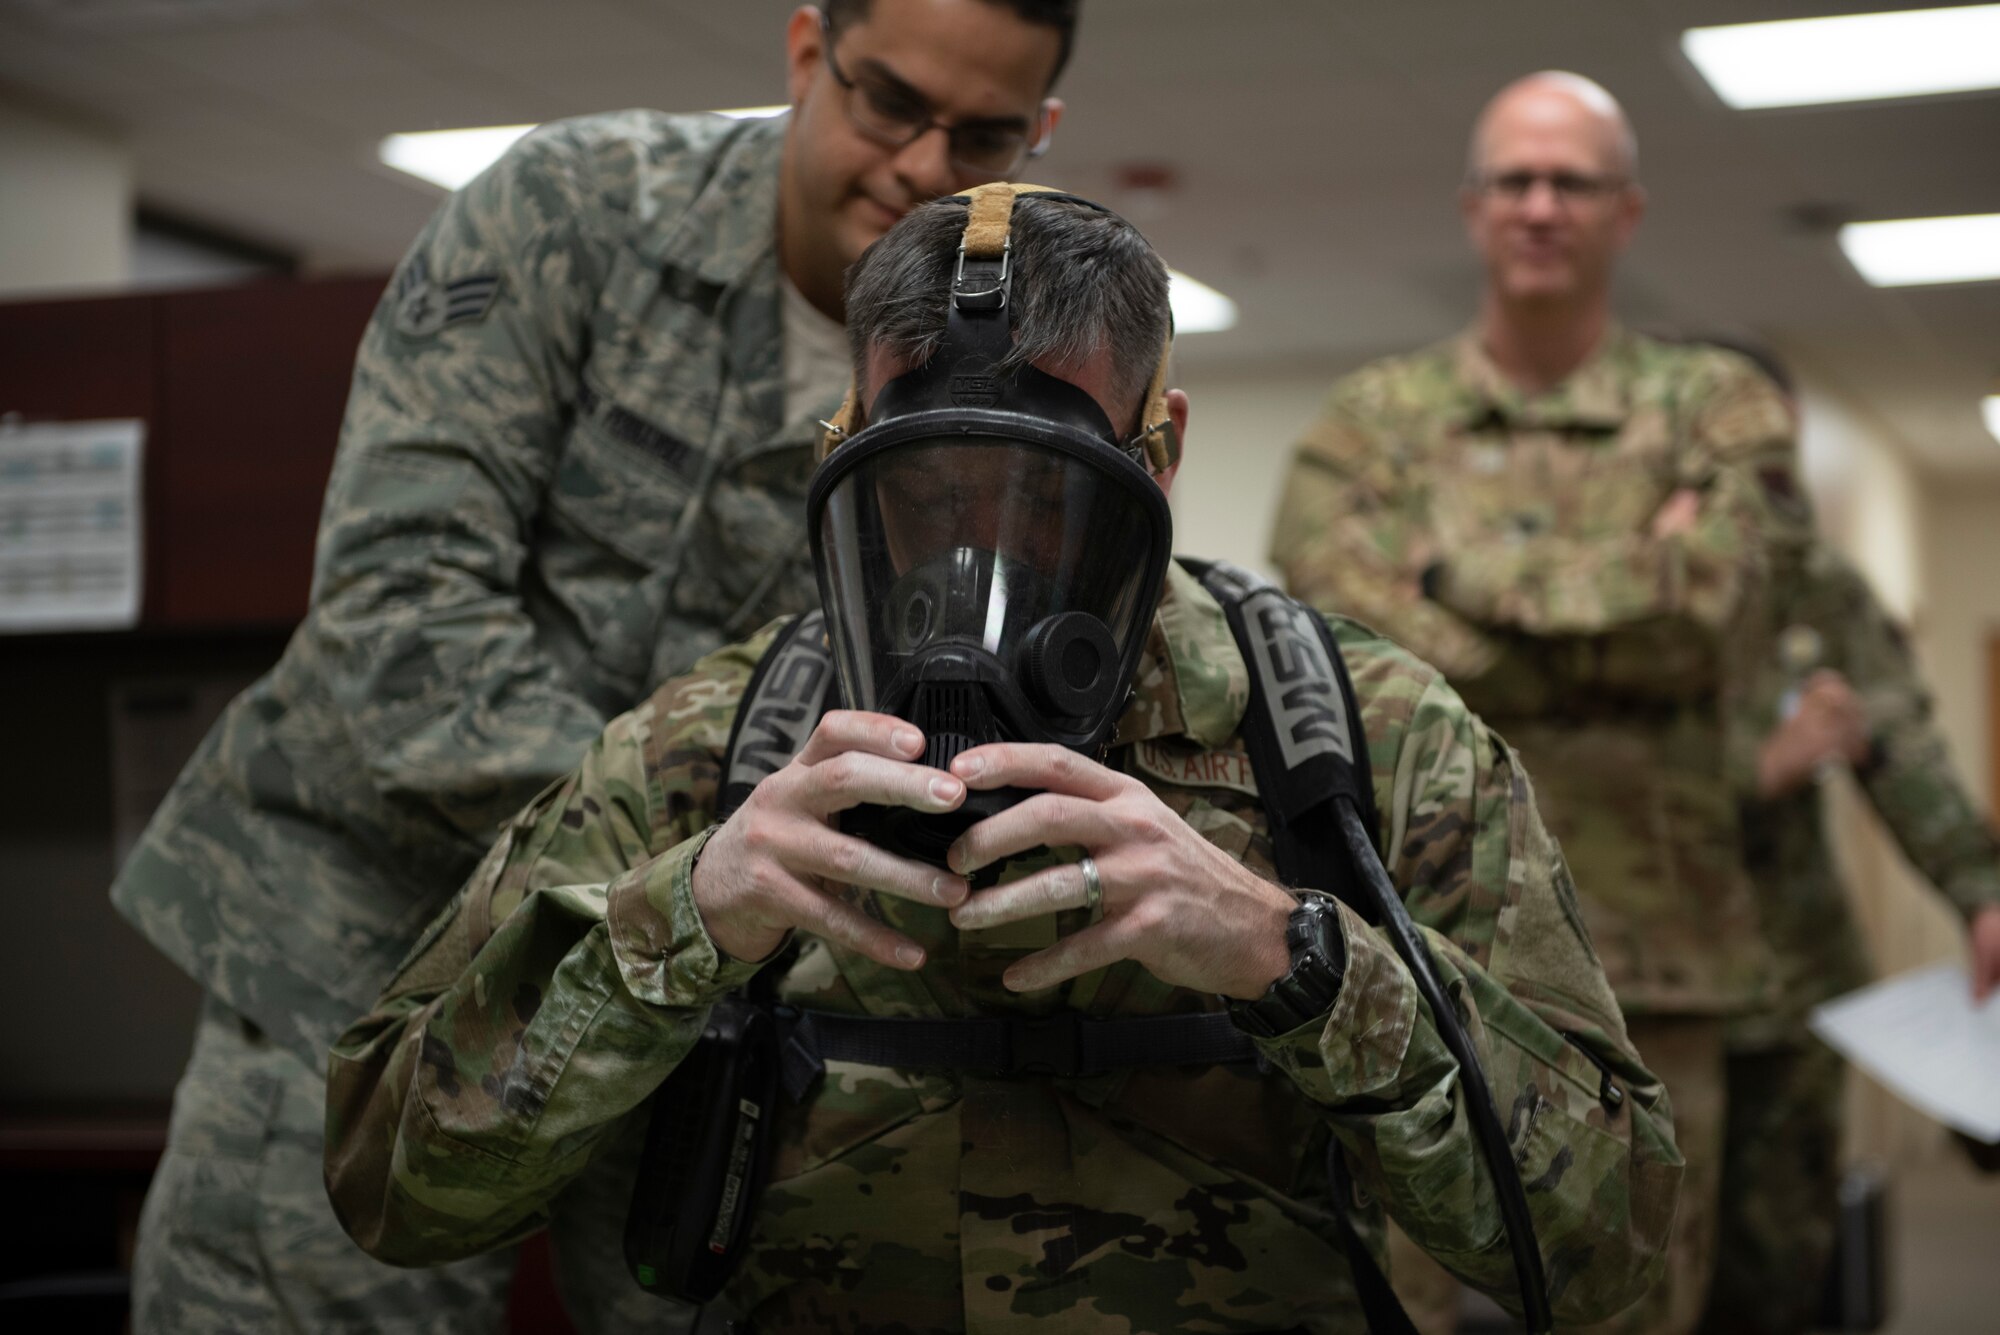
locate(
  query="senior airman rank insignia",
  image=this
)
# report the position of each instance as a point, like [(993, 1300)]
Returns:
[(425, 306)]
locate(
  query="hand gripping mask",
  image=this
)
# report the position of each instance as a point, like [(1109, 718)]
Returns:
[(990, 553)]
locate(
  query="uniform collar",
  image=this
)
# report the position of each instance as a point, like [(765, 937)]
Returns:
[(1192, 680), (1596, 395), (733, 223)]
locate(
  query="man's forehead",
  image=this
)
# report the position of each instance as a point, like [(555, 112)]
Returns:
[(972, 58), (1548, 117)]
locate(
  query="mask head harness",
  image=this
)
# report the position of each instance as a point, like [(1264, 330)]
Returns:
[(990, 550)]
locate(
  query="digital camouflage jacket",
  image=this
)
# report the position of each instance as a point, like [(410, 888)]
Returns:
[(1908, 779), (563, 477), (547, 1004), (1506, 538)]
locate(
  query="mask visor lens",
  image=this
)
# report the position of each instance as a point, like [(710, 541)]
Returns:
[(991, 544)]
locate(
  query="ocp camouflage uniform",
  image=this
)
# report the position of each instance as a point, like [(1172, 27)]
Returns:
[(1506, 537), (1781, 1165), (564, 475), (528, 1033)]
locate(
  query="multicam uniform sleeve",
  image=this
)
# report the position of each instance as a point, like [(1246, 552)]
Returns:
[(1738, 458), (565, 982), (1909, 777), (462, 393), (1352, 535), (1590, 1127)]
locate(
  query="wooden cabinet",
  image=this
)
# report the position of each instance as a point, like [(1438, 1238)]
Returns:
[(242, 390)]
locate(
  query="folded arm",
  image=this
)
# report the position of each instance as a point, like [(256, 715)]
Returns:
[(1737, 461), (1352, 536)]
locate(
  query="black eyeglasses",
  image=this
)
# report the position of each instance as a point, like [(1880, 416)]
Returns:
[(1568, 187), (894, 115)]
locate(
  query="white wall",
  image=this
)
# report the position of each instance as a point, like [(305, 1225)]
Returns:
[(1961, 616), (1867, 495), (65, 205), (1241, 429)]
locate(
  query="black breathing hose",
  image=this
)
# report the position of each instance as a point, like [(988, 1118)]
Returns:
[(1478, 1097)]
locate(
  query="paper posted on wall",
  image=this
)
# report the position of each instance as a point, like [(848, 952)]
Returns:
[(1920, 1034), (70, 525)]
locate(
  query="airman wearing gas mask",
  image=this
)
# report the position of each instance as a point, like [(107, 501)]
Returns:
[(1033, 808)]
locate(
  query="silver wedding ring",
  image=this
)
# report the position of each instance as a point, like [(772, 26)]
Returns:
[(1093, 885)]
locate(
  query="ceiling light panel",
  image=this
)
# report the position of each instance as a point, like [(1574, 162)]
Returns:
[(1912, 252), (450, 158), (1198, 308), (1849, 58)]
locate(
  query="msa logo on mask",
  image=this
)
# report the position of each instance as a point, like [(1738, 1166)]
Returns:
[(1300, 688), (974, 390)]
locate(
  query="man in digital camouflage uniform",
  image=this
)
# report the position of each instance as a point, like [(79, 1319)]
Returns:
[(1841, 690), (573, 463), (575, 970), (1570, 520)]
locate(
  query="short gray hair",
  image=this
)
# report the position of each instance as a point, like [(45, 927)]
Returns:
[(1083, 281)]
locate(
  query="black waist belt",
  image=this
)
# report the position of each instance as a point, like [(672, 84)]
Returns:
[(1066, 1043)]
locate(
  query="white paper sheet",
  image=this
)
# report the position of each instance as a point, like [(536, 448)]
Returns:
[(1920, 1035), (70, 531)]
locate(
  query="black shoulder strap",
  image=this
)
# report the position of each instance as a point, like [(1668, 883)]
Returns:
[(1310, 757), (1308, 750), (789, 690), (1303, 729)]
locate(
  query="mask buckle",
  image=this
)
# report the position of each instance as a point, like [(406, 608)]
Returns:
[(990, 298), (1155, 448)]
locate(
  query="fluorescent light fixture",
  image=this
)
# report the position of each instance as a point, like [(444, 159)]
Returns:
[(1912, 251), (1850, 57), (1989, 408), (450, 158), (1198, 308)]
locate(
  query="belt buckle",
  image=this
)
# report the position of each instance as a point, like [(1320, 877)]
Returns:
[(1046, 1045)]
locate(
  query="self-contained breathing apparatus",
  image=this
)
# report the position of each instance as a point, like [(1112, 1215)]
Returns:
[(951, 599)]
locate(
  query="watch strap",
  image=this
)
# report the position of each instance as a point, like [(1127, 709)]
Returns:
[(1310, 987)]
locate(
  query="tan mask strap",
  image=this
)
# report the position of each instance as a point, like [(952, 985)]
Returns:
[(987, 218), (989, 212), (1156, 430), (990, 209)]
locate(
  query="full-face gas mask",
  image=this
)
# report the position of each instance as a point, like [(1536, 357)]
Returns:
[(989, 552)]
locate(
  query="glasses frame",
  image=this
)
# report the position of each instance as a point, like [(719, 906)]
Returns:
[(1568, 189), (1030, 148)]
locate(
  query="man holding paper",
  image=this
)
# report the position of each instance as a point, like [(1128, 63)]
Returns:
[(1842, 691)]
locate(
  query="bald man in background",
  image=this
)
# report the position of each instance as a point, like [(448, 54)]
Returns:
[(1574, 521)]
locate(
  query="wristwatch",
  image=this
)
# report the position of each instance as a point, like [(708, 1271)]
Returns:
[(1308, 989)]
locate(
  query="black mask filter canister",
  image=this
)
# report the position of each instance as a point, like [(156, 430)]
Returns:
[(989, 553)]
